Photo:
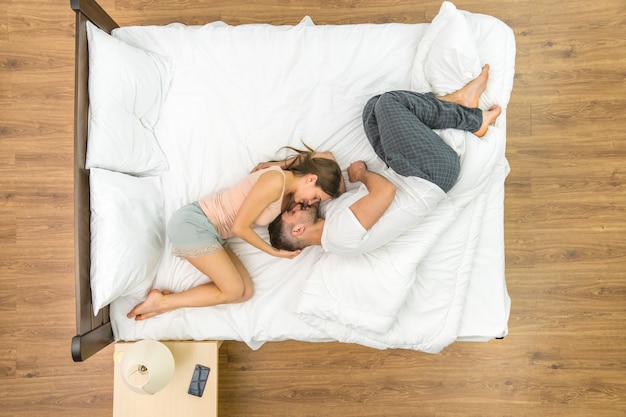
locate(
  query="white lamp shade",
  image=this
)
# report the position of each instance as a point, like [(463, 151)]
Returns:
[(147, 366)]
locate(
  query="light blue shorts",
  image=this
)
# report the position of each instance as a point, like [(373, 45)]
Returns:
[(192, 234)]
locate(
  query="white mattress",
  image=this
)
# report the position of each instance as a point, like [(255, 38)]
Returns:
[(238, 94)]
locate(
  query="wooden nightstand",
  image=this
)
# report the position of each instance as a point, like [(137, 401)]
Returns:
[(172, 400)]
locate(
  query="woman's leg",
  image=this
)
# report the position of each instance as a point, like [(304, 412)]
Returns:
[(248, 286), (231, 283)]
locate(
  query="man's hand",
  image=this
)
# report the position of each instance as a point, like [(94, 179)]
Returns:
[(357, 171)]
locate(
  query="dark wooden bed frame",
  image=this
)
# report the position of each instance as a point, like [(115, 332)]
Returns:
[(93, 333)]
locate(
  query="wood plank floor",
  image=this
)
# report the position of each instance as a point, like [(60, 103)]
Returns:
[(565, 230)]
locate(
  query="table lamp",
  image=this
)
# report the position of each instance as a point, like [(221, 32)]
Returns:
[(147, 366)]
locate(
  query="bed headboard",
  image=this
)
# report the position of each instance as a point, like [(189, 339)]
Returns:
[(93, 333)]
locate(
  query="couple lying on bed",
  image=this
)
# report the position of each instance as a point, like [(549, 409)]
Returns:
[(423, 168)]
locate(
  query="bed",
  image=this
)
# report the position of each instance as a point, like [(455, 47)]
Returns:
[(167, 114)]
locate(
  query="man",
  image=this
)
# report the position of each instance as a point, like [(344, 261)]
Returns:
[(362, 219), (421, 168)]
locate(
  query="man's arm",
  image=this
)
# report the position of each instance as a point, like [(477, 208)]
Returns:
[(369, 209)]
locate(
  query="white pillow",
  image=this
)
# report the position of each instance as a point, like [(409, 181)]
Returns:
[(127, 234), (364, 291), (447, 57), (127, 87)]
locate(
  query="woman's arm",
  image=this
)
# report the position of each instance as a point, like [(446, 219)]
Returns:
[(291, 161), (282, 164), (268, 189), (294, 161)]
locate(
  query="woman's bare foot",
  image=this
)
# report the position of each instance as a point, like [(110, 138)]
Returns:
[(469, 95), (489, 118), (150, 307)]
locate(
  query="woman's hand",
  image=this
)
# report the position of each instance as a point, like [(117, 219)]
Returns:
[(267, 164), (280, 253), (357, 171), (327, 155)]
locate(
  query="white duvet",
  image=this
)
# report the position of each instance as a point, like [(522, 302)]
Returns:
[(239, 93)]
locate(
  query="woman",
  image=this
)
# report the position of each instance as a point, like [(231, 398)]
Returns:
[(198, 231)]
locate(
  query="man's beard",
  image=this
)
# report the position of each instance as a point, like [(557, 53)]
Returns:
[(313, 212)]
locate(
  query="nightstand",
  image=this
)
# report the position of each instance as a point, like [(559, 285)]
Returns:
[(172, 400)]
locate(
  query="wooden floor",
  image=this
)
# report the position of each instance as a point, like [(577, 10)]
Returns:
[(565, 230)]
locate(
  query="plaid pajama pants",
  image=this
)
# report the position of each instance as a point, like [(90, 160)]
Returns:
[(399, 125)]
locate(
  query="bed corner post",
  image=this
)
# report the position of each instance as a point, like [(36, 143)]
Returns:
[(88, 344), (94, 13)]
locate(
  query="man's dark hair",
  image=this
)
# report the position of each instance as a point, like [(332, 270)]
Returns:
[(280, 236)]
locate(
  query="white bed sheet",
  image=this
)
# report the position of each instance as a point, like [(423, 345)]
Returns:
[(237, 96)]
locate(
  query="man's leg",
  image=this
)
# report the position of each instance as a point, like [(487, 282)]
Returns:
[(441, 115), (399, 126), (469, 96), (426, 109)]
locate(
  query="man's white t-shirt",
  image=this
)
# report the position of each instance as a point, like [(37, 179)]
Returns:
[(344, 235)]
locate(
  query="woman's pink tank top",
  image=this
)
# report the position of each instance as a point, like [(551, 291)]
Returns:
[(222, 207)]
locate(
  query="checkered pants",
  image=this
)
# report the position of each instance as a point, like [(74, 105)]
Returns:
[(399, 125)]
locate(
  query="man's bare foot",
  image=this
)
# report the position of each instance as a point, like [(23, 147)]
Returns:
[(150, 307), (489, 118), (469, 95)]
